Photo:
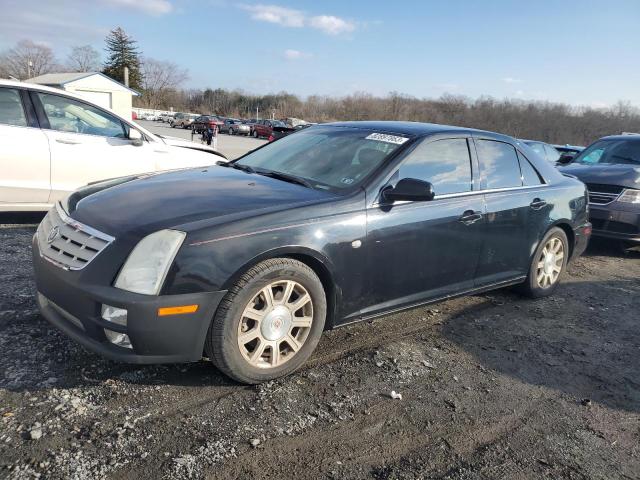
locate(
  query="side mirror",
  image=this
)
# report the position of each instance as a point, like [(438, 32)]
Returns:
[(410, 189), (565, 158), (136, 137)]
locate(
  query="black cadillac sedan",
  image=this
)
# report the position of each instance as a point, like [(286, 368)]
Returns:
[(248, 262)]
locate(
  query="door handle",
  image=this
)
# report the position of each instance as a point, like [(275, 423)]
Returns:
[(469, 217), (537, 204), (67, 141)]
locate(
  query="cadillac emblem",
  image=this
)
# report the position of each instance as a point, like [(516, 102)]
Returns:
[(53, 234)]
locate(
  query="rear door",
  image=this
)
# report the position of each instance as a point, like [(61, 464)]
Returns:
[(426, 249), (24, 152), (515, 211), (88, 144)]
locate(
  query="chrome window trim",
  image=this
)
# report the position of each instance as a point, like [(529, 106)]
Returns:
[(469, 193)]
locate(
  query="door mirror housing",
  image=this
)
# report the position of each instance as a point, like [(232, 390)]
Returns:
[(136, 137), (565, 158), (409, 189)]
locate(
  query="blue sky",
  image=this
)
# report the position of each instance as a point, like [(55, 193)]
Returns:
[(580, 52)]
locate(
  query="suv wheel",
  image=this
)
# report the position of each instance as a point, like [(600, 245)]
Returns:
[(269, 322), (548, 264)]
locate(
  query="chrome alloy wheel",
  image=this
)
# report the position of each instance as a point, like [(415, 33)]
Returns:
[(550, 263), (275, 324)]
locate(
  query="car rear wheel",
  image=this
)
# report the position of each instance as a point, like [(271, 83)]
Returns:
[(255, 134), (548, 264), (269, 322)]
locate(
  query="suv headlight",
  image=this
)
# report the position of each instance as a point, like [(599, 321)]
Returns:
[(630, 196), (148, 264)]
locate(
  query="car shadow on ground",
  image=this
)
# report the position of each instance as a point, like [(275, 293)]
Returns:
[(582, 341), (610, 248), (21, 218)]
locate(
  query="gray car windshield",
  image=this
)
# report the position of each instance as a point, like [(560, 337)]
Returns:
[(610, 151), (335, 158)]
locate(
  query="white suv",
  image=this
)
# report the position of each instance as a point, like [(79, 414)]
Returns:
[(53, 142)]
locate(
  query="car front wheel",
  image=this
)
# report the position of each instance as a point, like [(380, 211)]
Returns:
[(548, 264), (269, 322)]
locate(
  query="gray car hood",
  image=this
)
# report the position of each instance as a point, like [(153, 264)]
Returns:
[(608, 174)]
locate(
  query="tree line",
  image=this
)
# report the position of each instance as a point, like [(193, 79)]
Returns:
[(161, 86)]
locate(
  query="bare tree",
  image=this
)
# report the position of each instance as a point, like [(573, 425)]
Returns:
[(159, 79), (83, 58), (27, 59)]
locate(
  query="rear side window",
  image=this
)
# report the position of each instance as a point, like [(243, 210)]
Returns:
[(444, 163), (11, 111), (499, 163), (530, 175)]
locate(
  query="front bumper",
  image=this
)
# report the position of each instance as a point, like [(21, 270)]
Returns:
[(75, 308), (620, 222)]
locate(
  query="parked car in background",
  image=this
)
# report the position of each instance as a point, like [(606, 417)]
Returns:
[(278, 132), (234, 127), (203, 122), (264, 128), (337, 223), (53, 142), (182, 120), (567, 152), (610, 168), (165, 117), (546, 151)]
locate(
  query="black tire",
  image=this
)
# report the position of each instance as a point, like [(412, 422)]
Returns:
[(531, 287), (255, 134), (221, 344)]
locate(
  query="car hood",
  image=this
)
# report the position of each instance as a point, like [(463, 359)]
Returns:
[(147, 203), (609, 174), (180, 142)]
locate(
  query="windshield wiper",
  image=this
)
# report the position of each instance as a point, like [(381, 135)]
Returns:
[(237, 166), (285, 177)]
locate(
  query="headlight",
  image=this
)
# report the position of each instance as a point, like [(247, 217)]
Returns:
[(147, 266), (630, 196)]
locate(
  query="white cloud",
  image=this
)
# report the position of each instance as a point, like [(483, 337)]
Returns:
[(287, 17), (152, 7), (291, 54), (511, 80), (331, 25)]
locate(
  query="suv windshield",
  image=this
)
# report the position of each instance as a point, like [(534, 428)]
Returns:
[(610, 151), (327, 158)]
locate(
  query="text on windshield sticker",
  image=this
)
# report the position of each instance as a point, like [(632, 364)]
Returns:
[(383, 137)]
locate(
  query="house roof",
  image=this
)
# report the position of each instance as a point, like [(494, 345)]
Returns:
[(61, 79)]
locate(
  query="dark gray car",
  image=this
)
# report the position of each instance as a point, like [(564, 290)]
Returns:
[(610, 168)]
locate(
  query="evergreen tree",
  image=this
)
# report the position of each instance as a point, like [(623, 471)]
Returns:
[(122, 52)]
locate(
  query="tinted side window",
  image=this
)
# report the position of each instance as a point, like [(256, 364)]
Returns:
[(69, 115), (444, 163), (499, 164), (530, 175), (11, 111)]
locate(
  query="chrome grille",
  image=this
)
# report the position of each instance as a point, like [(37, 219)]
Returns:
[(68, 243), (603, 194)]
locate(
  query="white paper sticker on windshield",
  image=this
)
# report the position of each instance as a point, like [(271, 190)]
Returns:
[(383, 137)]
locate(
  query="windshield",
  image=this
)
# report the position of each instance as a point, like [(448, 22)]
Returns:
[(610, 151), (277, 123), (327, 158)]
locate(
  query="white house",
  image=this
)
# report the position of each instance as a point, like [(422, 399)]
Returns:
[(95, 87)]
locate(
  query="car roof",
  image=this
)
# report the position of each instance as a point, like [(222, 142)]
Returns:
[(412, 128), (632, 137)]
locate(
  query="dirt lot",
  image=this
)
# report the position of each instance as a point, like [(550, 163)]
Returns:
[(493, 386)]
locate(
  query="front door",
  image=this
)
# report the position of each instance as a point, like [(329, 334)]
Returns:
[(88, 145), (426, 250)]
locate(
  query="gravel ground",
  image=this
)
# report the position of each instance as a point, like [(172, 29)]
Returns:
[(491, 386)]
